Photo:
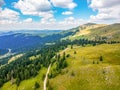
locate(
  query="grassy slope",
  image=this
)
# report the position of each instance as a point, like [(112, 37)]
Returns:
[(82, 74), (27, 84), (112, 32), (13, 58)]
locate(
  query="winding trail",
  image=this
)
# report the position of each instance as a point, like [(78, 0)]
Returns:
[(48, 70), (45, 80)]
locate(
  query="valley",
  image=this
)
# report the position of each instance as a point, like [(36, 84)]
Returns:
[(76, 57)]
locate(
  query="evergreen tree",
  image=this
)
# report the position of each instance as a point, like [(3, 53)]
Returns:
[(71, 46), (64, 56), (18, 81)]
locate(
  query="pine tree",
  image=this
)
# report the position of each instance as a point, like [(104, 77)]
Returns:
[(18, 81), (64, 56)]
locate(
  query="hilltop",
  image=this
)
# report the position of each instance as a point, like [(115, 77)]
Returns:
[(93, 31)]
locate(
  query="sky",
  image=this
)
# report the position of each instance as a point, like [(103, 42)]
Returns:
[(56, 14)]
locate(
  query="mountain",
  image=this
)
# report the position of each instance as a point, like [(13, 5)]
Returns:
[(3, 51), (98, 32), (15, 41), (6, 33), (32, 32), (25, 40), (88, 24)]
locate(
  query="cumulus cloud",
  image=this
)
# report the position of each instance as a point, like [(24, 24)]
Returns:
[(51, 24), (107, 10), (67, 13), (70, 19), (8, 16), (64, 3), (9, 19), (95, 4), (33, 6), (1, 2), (46, 21), (40, 8)]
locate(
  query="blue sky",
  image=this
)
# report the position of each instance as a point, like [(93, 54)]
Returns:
[(56, 14)]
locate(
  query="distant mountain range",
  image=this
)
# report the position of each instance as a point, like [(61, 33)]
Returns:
[(26, 40), (32, 32)]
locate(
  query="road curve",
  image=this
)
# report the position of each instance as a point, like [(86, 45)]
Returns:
[(45, 80)]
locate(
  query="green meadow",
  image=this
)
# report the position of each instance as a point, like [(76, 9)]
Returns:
[(87, 71)]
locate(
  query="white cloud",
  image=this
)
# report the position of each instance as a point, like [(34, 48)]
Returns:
[(71, 22), (70, 19), (1, 2), (28, 20), (64, 3), (107, 10), (3, 22), (67, 13), (8, 16), (51, 24), (97, 4), (40, 8), (33, 7), (46, 21)]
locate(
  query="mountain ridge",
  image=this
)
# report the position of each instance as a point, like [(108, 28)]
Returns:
[(98, 31)]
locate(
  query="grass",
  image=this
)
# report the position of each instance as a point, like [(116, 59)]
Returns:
[(27, 84), (14, 58), (95, 32), (8, 86), (34, 57), (82, 74)]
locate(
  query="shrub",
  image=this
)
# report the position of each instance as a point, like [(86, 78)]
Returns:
[(72, 73), (68, 55), (36, 85), (101, 58), (75, 52)]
